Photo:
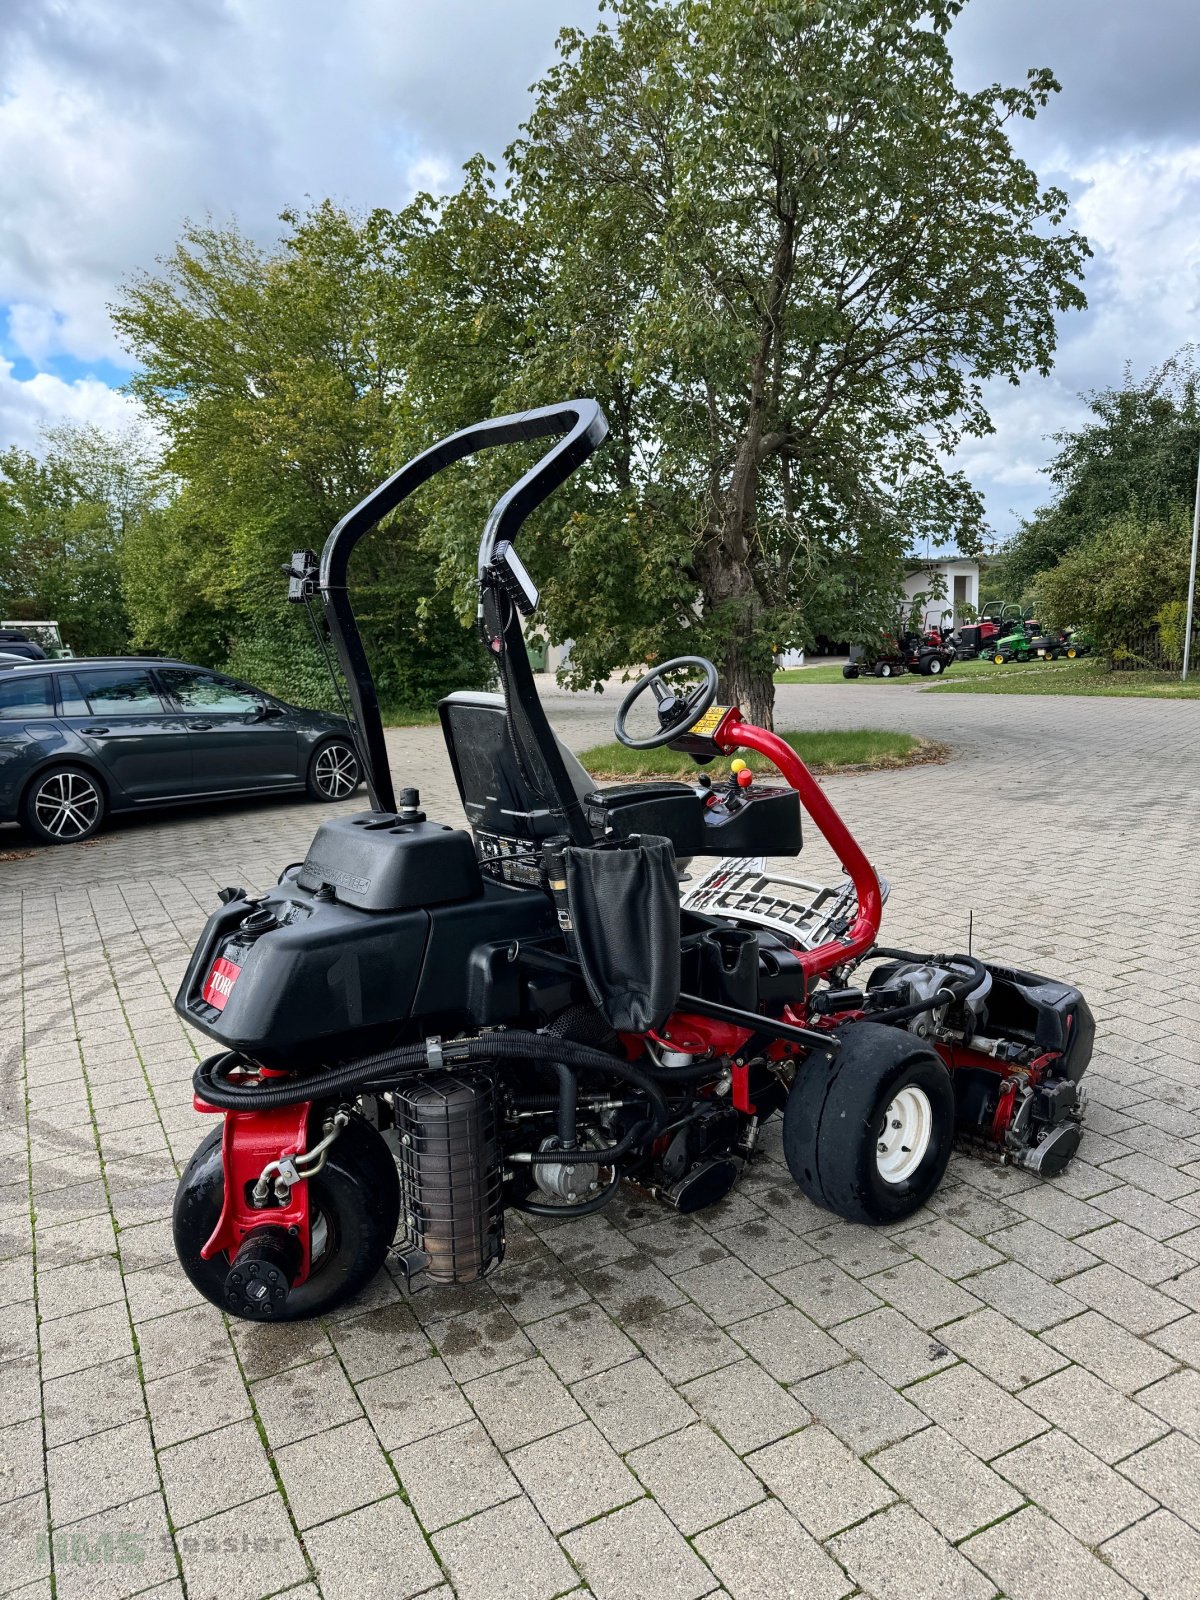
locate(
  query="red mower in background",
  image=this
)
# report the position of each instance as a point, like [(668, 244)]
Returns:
[(421, 1028)]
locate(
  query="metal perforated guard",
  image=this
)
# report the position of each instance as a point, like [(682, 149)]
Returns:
[(744, 890)]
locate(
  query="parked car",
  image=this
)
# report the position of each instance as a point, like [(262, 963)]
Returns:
[(15, 643), (81, 738)]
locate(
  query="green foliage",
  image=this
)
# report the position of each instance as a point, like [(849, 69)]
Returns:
[(62, 521), (1114, 584), (277, 381), (1137, 456)]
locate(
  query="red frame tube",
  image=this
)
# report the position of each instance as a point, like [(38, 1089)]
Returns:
[(863, 932)]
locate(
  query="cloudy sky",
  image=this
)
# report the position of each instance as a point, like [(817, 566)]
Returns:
[(118, 118)]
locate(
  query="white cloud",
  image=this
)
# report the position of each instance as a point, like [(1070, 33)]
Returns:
[(29, 405)]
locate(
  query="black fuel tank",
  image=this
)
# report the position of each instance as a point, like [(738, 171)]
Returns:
[(285, 978), (377, 861)]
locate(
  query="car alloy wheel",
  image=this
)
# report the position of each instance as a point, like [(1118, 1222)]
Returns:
[(67, 805), (336, 771)]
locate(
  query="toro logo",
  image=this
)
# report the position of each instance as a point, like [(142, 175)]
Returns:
[(220, 982)]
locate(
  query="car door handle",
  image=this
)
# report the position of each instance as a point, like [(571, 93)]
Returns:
[(200, 727), (94, 728)]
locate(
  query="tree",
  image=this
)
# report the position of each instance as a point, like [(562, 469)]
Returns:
[(277, 381), (63, 517), (1136, 457), (1119, 583), (785, 251)]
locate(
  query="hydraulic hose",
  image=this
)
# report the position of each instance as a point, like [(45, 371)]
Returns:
[(210, 1079)]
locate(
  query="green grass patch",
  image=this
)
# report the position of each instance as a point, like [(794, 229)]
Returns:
[(1078, 678), (854, 749), (402, 716)]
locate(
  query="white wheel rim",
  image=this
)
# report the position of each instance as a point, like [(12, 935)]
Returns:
[(337, 771), (67, 805), (904, 1139)]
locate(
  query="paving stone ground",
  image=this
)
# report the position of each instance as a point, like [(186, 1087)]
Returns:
[(1000, 1396)]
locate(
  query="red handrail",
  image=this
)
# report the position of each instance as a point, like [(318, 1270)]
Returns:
[(864, 930)]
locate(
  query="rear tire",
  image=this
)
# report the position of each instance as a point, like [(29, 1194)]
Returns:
[(840, 1135), (355, 1198), (849, 672), (334, 772), (936, 666), (63, 805), (883, 669)]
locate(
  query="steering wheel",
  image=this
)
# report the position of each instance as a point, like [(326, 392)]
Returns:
[(676, 711)]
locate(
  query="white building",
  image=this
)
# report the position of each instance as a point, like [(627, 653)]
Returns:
[(959, 576)]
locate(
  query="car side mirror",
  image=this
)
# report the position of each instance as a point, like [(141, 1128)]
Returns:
[(269, 713)]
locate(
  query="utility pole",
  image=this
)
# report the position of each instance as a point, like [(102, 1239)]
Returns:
[(1191, 605)]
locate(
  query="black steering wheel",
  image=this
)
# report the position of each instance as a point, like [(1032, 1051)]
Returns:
[(677, 711)]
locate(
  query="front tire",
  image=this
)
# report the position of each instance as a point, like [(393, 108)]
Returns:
[(354, 1204), (869, 1136), (936, 666), (334, 772), (63, 805), (849, 672)]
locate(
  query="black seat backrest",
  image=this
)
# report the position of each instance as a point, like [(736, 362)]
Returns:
[(498, 789)]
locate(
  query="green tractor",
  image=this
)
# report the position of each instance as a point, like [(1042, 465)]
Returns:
[(1027, 640)]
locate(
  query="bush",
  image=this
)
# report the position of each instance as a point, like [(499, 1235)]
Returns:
[(1118, 583)]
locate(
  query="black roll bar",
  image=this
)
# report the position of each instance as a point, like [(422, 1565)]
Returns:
[(583, 428)]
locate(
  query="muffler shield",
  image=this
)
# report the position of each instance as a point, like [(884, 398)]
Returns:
[(451, 1174)]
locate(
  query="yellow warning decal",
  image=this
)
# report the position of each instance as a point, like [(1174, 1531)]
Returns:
[(711, 720)]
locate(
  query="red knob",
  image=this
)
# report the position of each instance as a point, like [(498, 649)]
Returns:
[(745, 778)]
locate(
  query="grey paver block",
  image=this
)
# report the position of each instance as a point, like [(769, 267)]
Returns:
[(1088, 1498), (684, 1343), (1135, 1306), (820, 1481), (214, 1472), (458, 1475), (197, 1400), (333, 1472), (824, 1293), (636, 1554), (1024, 1297), (413, 1402), (1176, 1400), (728, 1292), (117, 1552), (675, 1245), (242, 1554), (574, 1476), (379, 1342), (1000, 1349), (898, 1556), (89, 1402), (976, 1411), (1102, 1420), (184, 1339), (632, 1404), (1141, 1257), (24, 1542), (696, 1478), (948, 1249), (22, 1469), (581, 1342), (855, 1248), (1160, 1556), (1169, 1470), (1145, 1213), (894, 1347), (100, 1472), (1125, 1362), (923, 1295), (766, 1246), (1048, 1254), (765, 1551), (746, 1406), (949, 1486), (505, 1553), (787, 1345), (305, 1400), (376, 1553), (1032, 1558), (856, 1404), (473, 1346), (265, 1350), (1181, 1339), (537, 1288), (522, 1403)]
